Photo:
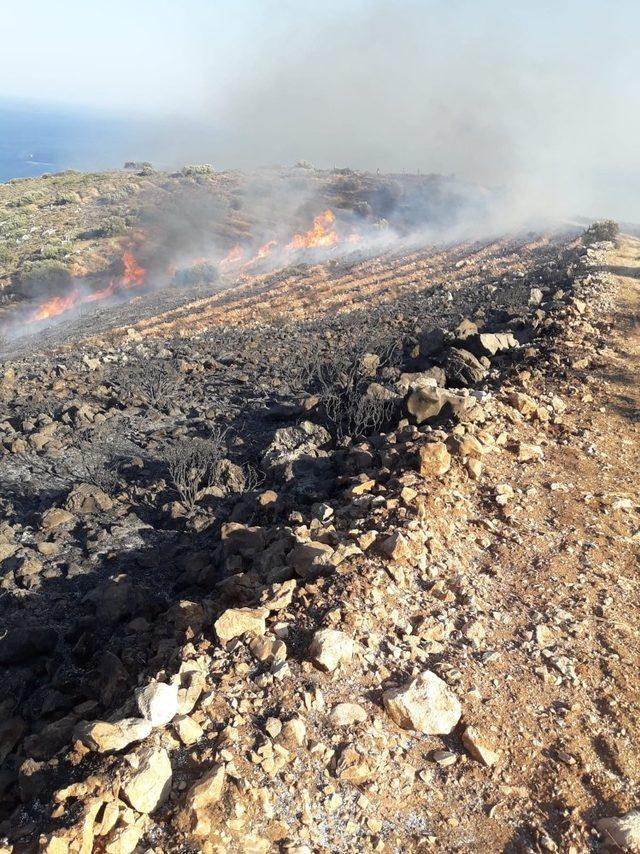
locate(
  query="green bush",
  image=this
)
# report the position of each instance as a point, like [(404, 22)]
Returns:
[(27, 199), (34, 275), (6, 254), (198, 169), (112, 227), (197, 274), (604, 229), (66, 199), (51, 251)]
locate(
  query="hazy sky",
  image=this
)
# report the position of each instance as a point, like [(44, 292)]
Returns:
[(540, 93)]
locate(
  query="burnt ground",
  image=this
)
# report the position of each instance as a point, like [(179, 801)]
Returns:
[(525, 604)]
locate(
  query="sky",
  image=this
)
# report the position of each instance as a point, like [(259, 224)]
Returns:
[(539, 95)]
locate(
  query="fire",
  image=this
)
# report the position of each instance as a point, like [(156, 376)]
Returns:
[(55, 306), (233, 257), (266, 250), (322, 234), (134, 275)]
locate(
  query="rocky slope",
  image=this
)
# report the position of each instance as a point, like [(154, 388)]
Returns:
[(419, 640)]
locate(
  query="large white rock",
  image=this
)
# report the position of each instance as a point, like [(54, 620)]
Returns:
[(345, 714), (330, 648), (235, 622), (621, 832), (105, 737), (426, 704), (158, 702), (150, 783)]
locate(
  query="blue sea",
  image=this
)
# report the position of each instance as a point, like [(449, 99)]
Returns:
[(36, 138)]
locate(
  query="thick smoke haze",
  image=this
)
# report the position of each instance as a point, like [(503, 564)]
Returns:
[(533, 96), (539, 98)]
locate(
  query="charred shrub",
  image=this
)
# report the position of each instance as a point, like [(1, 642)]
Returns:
[(344, 380), (195, 466), (153, 382), (604, 229)]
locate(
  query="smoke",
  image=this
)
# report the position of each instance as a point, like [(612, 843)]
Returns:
[(534, 97)]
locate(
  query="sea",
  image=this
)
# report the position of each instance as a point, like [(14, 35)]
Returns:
[(37, 139)]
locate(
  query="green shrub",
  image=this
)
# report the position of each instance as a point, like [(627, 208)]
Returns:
[(27, 199), (51, 251), (112, 227), (197, 274), (604, 229), (198, 169), (67, 199), (34, 275), (6, 254)]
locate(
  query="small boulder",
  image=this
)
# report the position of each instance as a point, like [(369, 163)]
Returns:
[(207, 791), (434, 459), (345, 714), (426, 704), (235, 622), (330, 648), (621, 832), (150, 783), (479, 747), (87, 498), (158, 702), (425, 403), (105, 737)]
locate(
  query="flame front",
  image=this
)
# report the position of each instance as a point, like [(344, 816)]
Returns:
[(322, 234), (233, 257), (55, 306), (134, 276)]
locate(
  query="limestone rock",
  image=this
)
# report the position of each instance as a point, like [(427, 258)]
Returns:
[(462, 368), (188, 730), (425, 704), (235, 622), (149, 785), (435, 459), (479, 747), (87, 498), (621, 832), (206, 792), (105, 737), (345, 714), (158, 702), (330, 648), (310, 559), (425, 403), (55, 517), (353, 767)]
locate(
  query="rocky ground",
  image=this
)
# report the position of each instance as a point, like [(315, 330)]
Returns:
[(361, 581)]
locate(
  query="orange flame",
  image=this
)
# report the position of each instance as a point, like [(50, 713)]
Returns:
[(233, 257), (134, 275), (265, 250), (55, 306), (321, 234)]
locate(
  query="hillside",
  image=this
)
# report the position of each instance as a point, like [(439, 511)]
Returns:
[(332, 553)]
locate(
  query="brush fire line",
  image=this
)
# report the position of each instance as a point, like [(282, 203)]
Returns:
[(321, 235)]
